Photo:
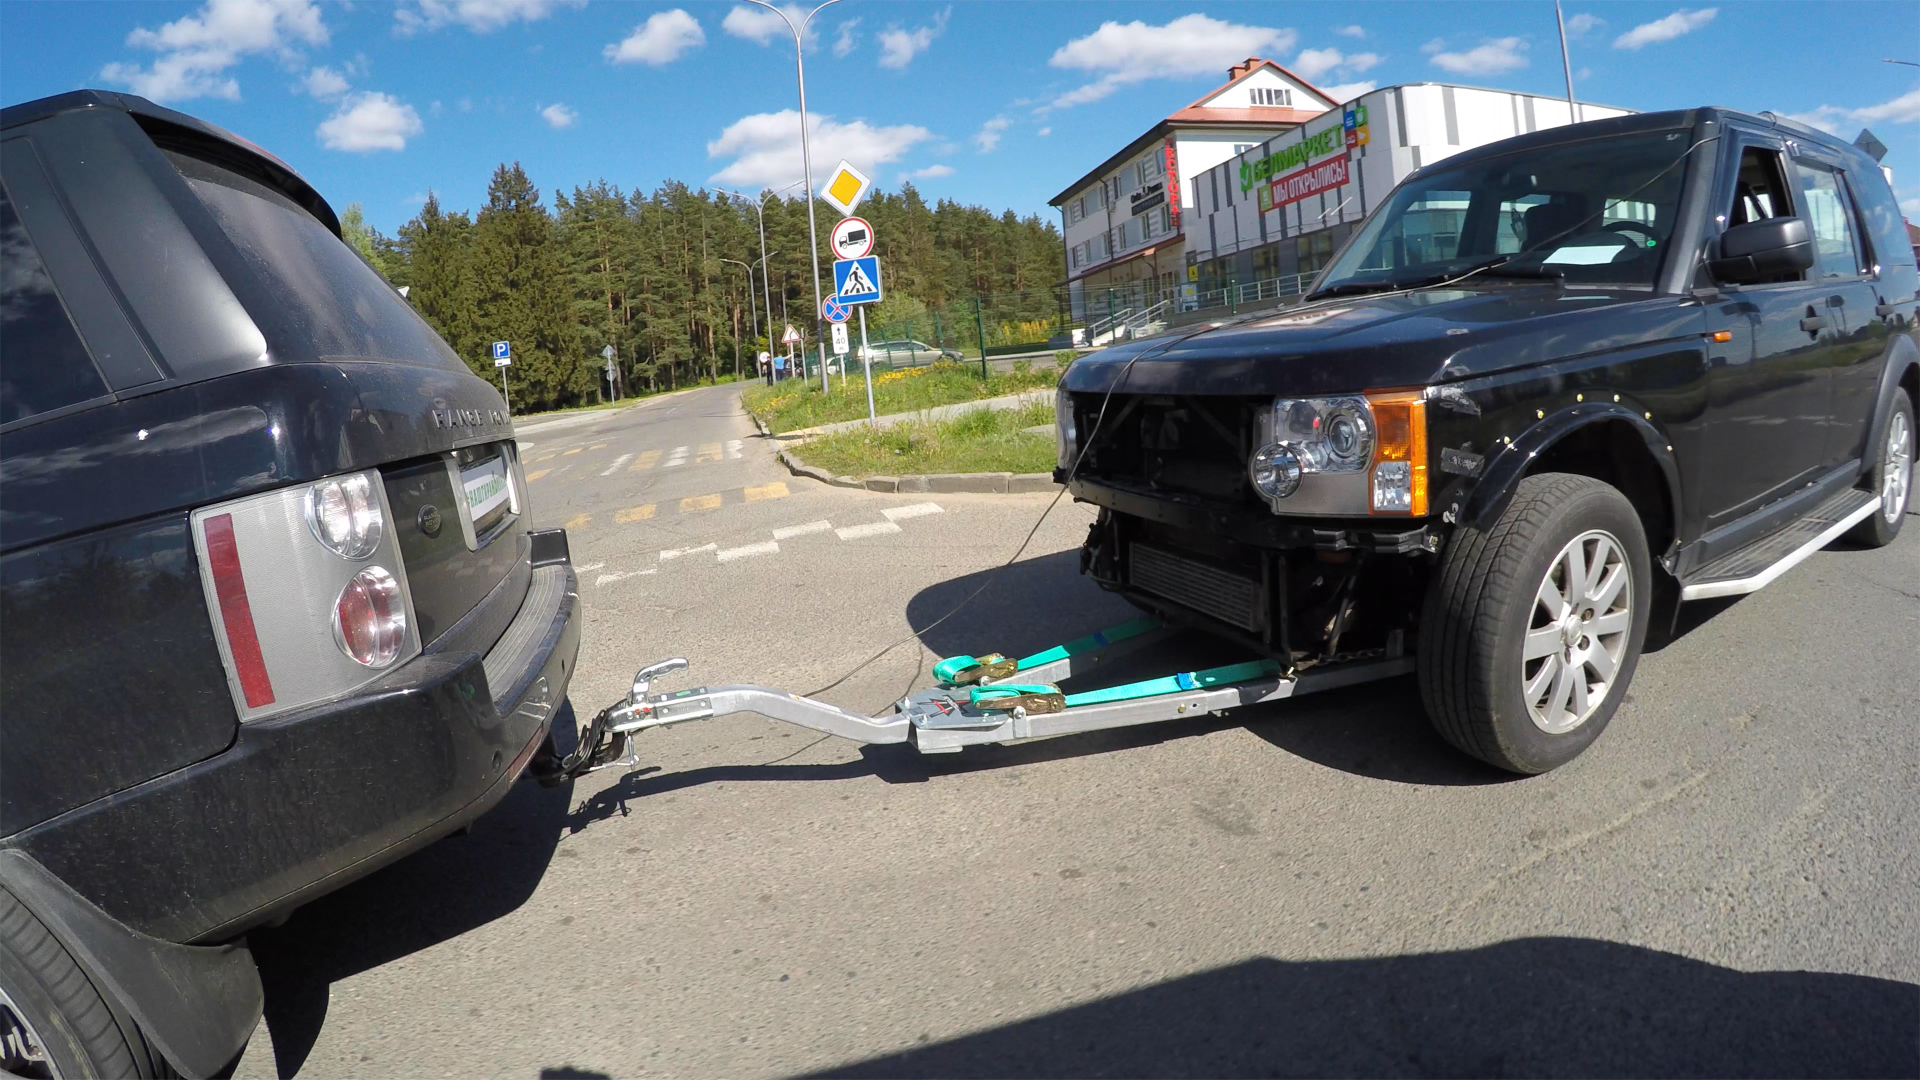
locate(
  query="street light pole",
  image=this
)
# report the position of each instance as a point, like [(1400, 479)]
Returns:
[(806, 164), (766, 284)]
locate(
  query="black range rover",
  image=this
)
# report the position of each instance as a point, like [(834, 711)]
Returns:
[(271, 614), (1551, 388)]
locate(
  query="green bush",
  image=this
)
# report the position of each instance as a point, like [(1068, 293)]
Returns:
[(980, 440), (1064, 357)]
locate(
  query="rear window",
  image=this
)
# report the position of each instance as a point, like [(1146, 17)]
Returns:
[(43, 364), (325, 292)]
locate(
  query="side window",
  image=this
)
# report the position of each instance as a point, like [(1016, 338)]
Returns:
[(1760, 191), (1830, 216), (43, 364)]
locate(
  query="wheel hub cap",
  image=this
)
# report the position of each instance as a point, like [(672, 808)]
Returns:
[(1577, 633), (1899, 469)]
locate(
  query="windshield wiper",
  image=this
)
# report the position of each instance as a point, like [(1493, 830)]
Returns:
[(1517, 270), (1350, 288)]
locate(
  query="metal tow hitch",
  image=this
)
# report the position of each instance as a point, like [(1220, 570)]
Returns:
[(608, 739)]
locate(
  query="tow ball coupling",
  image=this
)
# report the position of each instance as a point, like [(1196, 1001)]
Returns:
[(607, 740)]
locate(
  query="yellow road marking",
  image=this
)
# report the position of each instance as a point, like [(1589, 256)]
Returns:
[(698, 502), (598, 446), (709, 451), (575, 450), (579, 521), (544, 457), (537, 474), (775, 490), (634, 513), (647, 460)]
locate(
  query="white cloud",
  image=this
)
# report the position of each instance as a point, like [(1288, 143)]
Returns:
[(480, 16), (988, 137), (659, 40), (761, 26), (1313, 63), (1350, 31), (1044, 132), (196, 50), (1910, 207), (765, 147), (324, 83), (1674, 25), (370, 121), (1583, 22), (1345, 92), (1361, 61), (559, 116), (898, 47), (844, 41), (1434, 46), (1493, 58), (1188, 46), (931, 172), (1904, 109)]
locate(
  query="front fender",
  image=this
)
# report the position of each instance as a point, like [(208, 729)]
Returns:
[(1490, 496)]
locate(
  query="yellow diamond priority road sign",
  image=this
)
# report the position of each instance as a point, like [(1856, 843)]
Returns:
[(845, 188)]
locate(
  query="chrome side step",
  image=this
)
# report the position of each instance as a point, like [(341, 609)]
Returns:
[(1751, 579)]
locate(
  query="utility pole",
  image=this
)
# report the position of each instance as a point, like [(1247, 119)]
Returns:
[(806, 165), (766, 286), (1573, 114)]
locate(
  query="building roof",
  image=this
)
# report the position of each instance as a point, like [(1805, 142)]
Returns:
[(1199, 114)]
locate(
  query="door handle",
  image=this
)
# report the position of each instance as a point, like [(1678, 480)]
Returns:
[(1813, 324)]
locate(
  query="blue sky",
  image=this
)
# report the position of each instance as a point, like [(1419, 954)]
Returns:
[(1000, 104)]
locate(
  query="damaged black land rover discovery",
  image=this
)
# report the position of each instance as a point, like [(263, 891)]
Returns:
[(1550, 389), (271, 612)]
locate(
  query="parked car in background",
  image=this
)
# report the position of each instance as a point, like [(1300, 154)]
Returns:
[(272, 614), (907, 353)]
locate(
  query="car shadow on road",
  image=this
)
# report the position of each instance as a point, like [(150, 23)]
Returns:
[(1528, 1007), (435, 894)]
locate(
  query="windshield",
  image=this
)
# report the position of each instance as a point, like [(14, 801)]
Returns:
[(337, 304), (1593, 212)]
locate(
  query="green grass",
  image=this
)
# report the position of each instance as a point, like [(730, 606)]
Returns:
[(983, 440), (632, 397), (796, 404)]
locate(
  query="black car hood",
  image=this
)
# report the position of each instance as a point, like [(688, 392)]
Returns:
[(1349, 344)]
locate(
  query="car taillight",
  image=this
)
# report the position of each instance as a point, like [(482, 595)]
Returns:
[(306, 590)]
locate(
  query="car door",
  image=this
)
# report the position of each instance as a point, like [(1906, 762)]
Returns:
[(1843, 268), (1770, 382)]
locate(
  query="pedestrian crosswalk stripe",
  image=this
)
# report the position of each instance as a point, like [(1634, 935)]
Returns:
[(575, 450), (675, 553), (698, 502), (678, 457), (579, 521), (634, 513), (617, 462), (733, 448), (901, 513), (775, 490), (872, 528), (792, 531), (764, 547), (647, 460), (537, 474), (708, 452), (546, 457)]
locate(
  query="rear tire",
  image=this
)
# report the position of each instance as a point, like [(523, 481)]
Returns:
[(1531, 629), (1891, 477), (53, 1020)]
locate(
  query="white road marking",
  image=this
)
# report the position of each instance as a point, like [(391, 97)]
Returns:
[(764, 547), (589, 567), (608, 579), (675, 553), (617, 462), (678, 457), (901, 513), (733, 448), (874, 528), (792, 531)]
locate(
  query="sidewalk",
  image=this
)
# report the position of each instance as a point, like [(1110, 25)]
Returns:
[(938, 412)]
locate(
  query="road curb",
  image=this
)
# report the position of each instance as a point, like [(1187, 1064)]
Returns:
[(992, 483)]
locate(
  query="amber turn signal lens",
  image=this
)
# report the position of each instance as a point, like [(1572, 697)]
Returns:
[(1399, 475)]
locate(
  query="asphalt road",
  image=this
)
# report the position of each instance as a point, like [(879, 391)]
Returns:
[(1725, 884)]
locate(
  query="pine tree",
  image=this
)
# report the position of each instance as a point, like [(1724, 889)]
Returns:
[(523, 294)]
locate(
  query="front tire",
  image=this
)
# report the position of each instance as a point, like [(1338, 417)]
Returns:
[(1532, 629), (54, 1021), (1891, 478)]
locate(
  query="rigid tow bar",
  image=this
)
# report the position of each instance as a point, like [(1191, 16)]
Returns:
[(981, 699)]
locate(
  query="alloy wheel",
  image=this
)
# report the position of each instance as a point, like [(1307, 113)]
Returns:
[(1897, 481), (22, 1052), (1576, 640)]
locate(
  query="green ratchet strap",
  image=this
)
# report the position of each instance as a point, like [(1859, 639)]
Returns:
[(1173, 684), (1005, 697), (963, 670)]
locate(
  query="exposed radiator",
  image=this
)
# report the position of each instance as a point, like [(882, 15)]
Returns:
[(1207, 589)]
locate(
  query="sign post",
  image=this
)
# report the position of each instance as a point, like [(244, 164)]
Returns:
[(866, 358), (503, 359), (856, 282), (613, 388)]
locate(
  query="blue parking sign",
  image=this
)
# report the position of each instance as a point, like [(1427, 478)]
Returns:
[(857, 281), (502, 351)]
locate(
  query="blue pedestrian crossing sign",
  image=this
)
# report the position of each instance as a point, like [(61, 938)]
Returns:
[(857, 281)]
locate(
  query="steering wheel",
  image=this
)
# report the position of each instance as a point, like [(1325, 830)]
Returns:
[(1632, 226)]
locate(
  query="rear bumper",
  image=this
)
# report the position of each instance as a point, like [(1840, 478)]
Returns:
[(304, 803)]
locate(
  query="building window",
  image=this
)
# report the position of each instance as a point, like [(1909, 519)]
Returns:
[(1270, 95), (1166, 219), (1241, 148)]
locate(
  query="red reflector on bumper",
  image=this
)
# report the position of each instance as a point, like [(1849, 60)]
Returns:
[(235, 613)]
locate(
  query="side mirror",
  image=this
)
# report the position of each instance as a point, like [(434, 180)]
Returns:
[(1763, 250)]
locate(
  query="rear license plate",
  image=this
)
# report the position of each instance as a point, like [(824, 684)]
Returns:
[(487, 492)]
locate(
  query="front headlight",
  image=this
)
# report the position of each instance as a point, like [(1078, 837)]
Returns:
[(1066, 437), (1348, 456)]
